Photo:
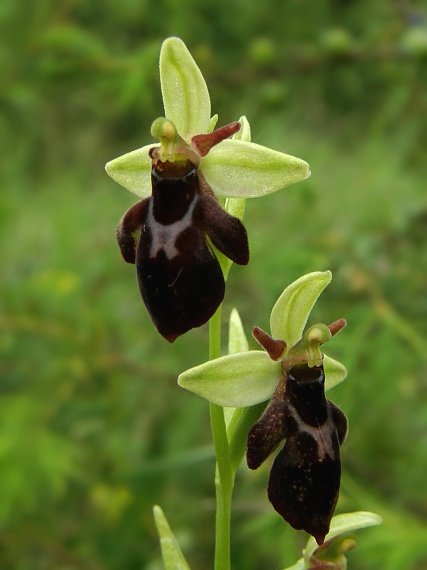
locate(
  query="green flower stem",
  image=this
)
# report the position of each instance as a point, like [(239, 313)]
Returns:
[(225, 471), (215, 334), (224, 474), (222, 523)]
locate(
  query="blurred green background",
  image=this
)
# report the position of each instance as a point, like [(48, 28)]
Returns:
[(93, 429)]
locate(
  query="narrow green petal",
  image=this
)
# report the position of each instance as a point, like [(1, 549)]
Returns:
[(242, 169), (185, 94), (293, 307), (236, 380), (237, 341), (340, 524), (133, 171), (335, 372), (173, 558)]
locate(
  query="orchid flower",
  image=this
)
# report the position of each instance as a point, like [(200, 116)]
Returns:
[(235, 168), (305, 477), (249, 377), (165, 234)]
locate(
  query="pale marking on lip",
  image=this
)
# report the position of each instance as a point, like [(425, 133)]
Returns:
[(321, 435), (164, 237)]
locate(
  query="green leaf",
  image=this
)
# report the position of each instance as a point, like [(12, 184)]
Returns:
[(185, 94), (172, 556), (335, 372), (133, 171), (236, 380), (242, 169), (237, 341), (343, 523), (293, 307)]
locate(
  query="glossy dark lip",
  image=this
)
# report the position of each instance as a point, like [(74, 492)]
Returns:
[(305, 477), (165, 235)]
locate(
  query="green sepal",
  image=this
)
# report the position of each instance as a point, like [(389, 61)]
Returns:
[(224, 261), (292, 309), (237, 341), (173, 558), (238, 420), (335, 372), (236, 206), (185, 94), (133, 171), (237, 380), (341, 524), (298, 565), (242, 169)]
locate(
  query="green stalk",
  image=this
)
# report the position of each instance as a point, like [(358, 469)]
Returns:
[(225, 471), (224, 475)]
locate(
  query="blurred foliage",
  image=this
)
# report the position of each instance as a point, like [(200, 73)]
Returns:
[(93, 429)]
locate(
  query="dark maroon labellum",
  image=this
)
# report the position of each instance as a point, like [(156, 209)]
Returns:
[(305, 477), (179, 276)]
